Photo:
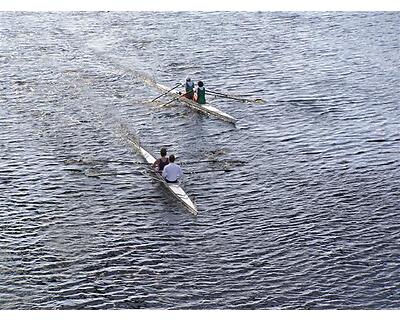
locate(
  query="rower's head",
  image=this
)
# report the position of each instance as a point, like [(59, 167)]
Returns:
[(188, 79), (200, 83), (171, 158), (163, 152)]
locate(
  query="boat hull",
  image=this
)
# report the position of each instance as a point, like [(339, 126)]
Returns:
[(204, 108), (174, 188)]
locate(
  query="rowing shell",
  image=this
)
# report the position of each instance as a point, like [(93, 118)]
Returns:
[(205, 108), (175, 189)]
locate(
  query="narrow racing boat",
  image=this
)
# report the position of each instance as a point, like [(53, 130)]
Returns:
[(174, 188), (205, 108)]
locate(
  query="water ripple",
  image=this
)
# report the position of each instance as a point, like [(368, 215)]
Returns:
[(307, 220)]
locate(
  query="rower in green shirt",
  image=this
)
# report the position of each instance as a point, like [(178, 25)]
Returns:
[(201, 93)]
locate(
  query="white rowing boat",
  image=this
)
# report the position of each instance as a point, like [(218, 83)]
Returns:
[(174, 188), (205, 108)]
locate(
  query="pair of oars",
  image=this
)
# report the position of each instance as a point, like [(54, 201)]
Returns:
[(94, 161), (163, 94), (215, 93), (95, 173), (176, 98)]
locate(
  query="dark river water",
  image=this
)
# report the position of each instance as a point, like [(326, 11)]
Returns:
[(308, 220)]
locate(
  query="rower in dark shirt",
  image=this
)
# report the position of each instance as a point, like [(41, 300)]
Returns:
[(160, 163)]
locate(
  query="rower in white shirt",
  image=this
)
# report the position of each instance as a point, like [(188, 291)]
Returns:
[(172, 172)]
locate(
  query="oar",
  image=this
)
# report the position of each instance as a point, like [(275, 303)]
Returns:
[(226, 96), (95, 175), (83, 161), (220, 94), (206, 171), (179, 84), (165, 104), (212, 161)]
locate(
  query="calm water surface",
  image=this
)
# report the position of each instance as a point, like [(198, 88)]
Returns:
[(309, 220)]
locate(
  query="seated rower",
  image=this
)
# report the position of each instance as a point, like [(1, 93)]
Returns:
[(200, 93), (189, 87), (172, 172), (160, 163)]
